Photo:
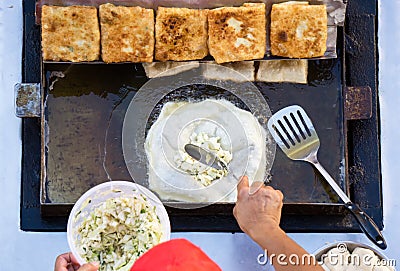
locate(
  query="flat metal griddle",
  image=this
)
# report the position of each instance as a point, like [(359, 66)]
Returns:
[(85, 107), (90, 100)]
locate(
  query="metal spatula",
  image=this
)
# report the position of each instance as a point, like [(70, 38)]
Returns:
[(205, 157), (295, 134), (208, 158)]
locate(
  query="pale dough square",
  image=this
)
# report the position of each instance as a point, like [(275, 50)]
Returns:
[(288, 70), (168, 68), (242, 71)]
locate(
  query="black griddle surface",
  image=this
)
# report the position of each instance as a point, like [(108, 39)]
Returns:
[(85, 109)]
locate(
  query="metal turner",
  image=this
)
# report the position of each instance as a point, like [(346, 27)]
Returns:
[(295, 134), (207, 158)]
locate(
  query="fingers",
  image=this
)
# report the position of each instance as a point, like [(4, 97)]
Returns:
[(257, 184), (235, 212), (280, 194), (244, 189), (62, 262), (72, 258), (255, 187), (89, 267), (66, 262), (273, 193)]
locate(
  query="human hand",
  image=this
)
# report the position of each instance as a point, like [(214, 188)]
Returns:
[(258, 212), (67, 262)]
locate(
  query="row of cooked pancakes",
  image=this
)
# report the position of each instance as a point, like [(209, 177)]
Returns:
[(228, 34)]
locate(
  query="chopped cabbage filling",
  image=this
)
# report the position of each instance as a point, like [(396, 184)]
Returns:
[(202, 173), (118, 232)]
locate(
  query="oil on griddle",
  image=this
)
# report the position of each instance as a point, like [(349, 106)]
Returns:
[(84, 112), (85, 107)]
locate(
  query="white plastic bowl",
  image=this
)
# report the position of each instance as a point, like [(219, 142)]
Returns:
[(100, 193), (350, 246)]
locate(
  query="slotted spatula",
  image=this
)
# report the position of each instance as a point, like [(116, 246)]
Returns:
[(295, 134)]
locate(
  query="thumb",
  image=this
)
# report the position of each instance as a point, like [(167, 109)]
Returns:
[(89, 267), (243, 183)]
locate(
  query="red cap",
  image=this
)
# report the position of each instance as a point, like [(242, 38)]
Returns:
[(175, 255)]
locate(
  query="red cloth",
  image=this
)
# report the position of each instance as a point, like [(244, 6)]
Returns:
[(175, 255)]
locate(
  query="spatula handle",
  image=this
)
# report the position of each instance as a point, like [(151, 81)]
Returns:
[(367, 225), (330, 180)]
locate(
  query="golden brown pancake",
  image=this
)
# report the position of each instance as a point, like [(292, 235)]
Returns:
[(127, 33), (70, 33), (237, 33), (181, 34), (298, 30)]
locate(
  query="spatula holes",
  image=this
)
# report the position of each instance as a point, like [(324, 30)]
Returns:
[(303, 122), (286, 132), (281, 136), (298, 126), (291, 128)]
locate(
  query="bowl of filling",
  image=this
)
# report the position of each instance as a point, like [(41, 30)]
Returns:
[(349, 256), (114, 223)]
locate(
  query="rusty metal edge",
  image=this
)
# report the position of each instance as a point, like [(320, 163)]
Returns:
[(357, 103), (27, 100)]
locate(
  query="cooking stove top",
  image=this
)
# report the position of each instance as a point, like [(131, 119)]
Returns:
[(348, 128)]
